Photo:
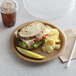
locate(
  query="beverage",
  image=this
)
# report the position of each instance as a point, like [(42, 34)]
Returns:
[(8, 12)]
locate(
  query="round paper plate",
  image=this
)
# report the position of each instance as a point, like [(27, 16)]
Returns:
[(49, 57)]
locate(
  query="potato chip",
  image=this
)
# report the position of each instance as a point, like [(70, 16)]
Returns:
[(51, 40), (56, 46)]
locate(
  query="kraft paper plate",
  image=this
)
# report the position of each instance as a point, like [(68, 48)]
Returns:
[(49, 57)]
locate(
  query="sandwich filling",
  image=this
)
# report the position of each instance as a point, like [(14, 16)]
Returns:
[(35, 29), (33, 43)]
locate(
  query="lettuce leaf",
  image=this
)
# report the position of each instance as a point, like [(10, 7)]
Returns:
[(24, 45)]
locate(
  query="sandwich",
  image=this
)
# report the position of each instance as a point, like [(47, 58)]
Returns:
[(31, 36)]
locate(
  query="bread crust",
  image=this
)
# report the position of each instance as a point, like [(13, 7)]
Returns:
[(30, 37), (25, 38)]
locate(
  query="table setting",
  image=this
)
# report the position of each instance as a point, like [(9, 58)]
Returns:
[(38, 38)]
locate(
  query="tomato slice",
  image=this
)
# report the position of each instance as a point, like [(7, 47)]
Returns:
[(39, 38)]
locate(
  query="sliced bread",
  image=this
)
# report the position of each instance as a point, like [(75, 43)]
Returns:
[(30, 31)]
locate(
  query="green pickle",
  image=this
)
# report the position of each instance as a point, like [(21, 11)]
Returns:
[(30, 54)]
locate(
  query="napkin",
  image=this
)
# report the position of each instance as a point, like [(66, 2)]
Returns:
[(70, 39)]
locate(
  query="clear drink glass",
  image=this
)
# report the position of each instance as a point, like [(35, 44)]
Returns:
[(8, 10)]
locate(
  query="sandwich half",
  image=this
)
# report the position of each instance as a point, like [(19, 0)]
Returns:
[(32, 35)]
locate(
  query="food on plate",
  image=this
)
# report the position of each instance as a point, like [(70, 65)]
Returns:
[(32, 35), (47, 48), (56, 46), (52, 41), (29, 53)]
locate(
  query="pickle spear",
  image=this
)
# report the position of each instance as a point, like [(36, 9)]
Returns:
[(30, 54)]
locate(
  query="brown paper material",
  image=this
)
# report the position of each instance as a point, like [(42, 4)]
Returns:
[(70, 36)]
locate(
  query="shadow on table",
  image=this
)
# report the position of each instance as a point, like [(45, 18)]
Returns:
[(2, 28), (29, 64)]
